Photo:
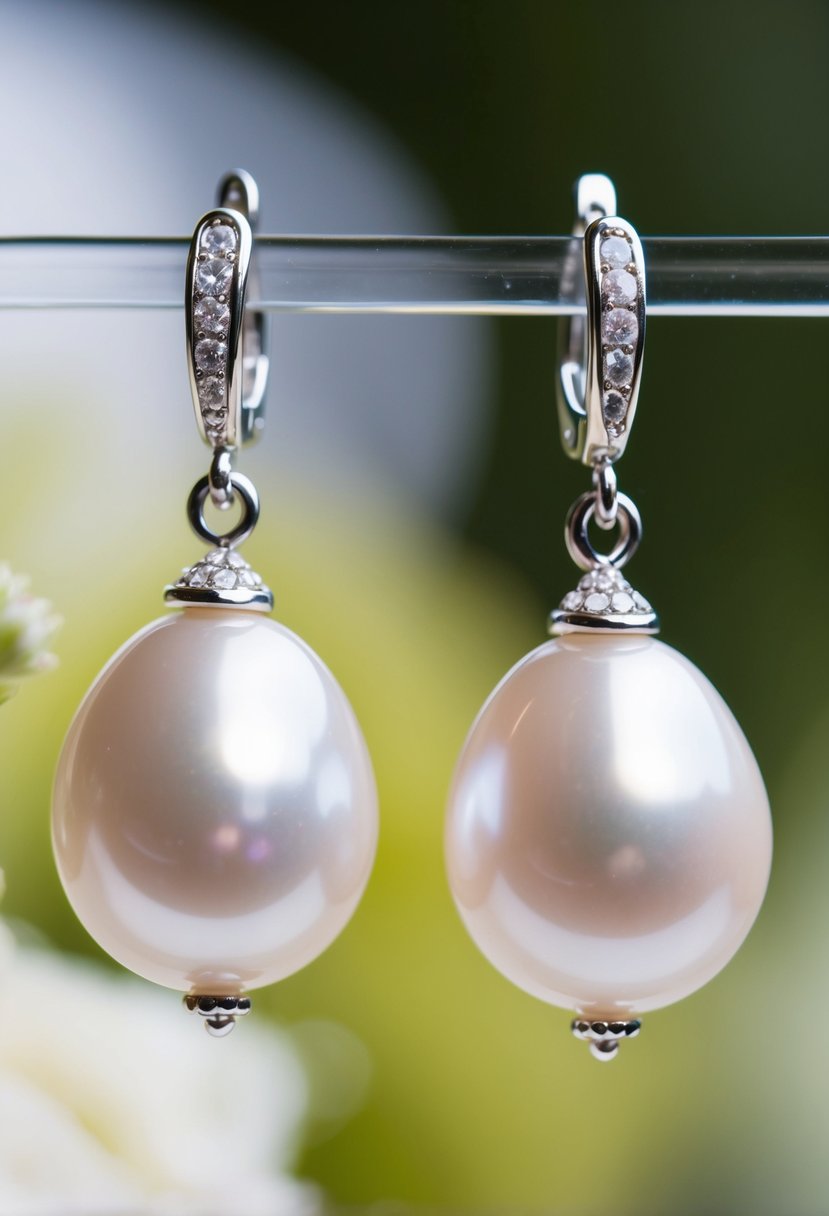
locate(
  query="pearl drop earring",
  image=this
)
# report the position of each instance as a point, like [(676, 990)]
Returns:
[(608, 836), (215, 813)]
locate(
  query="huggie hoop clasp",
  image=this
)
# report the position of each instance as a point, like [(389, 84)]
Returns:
[(238, 191), (595, 198), (225, 346), (598, 384)]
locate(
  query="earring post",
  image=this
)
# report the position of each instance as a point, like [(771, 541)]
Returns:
[(484, 276)]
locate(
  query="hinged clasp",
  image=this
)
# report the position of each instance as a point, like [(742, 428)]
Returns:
[(226, 355), (600, 351)]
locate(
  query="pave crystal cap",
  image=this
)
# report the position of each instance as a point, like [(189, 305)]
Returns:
[(221, 579), (604, 602)]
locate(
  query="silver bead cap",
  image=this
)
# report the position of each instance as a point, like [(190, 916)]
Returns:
[(604, 1037), (603, 602), (219, 1012), (221, 579)]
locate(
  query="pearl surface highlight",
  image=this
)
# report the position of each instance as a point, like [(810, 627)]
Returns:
[(608, 837), (215, 813)]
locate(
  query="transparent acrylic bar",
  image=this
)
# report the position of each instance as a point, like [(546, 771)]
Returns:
[(710, 276)]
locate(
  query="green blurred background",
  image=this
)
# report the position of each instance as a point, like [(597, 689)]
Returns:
[(710, 119)]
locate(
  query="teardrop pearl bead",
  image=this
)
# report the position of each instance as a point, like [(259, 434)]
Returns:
[(609, 837), (215, 813)]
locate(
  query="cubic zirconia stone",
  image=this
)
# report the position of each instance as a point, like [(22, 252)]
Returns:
[(210, 355), (214, 317), (597, 602), (211, 390), (641, 603), (224, 579), (618, 287), (604, 581), (614, 407), (622, 602), (615, 252), (215, 419), (213, 277), (620, 326), (571, 602), (218, 238), (198, 577), (216, 557), (618, 367)]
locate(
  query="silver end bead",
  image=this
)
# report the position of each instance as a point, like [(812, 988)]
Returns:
[(219, 1012), (604, 1037)]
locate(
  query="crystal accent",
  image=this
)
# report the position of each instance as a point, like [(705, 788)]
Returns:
[(619, 287), (214, 277), (604, 597), (211, 391), (219, 569), (618, 367), (219, 238), (615, 252), (614, 407), (213, 317), (210, 354), (620, 326), (597, 601)]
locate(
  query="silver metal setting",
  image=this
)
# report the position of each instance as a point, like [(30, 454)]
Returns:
[(238, 191), (219, 1012), (604, 600), (600, 357), (228, 375), (595, 198), (221, 579), (225, 344), (600, 366), (604, 1037)]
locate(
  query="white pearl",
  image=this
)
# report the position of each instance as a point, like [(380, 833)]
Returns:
[(215, 813), (609, 836)]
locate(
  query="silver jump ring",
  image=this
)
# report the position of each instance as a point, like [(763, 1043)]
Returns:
[(578, 541), (220, 479), (246, 490), (604, 484)]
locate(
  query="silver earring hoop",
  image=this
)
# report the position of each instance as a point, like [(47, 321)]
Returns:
[(226, 342), (605, 800), (597, 390), (195, 828)]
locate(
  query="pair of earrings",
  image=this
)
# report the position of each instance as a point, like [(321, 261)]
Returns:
[(215, 813)]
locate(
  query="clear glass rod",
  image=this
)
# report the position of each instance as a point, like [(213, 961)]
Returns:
[(709, 276)]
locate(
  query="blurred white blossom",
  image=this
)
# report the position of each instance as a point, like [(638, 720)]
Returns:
[(114, 1101), (27, 625)]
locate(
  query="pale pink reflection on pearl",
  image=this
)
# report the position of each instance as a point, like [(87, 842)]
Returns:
[(608, 836)]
